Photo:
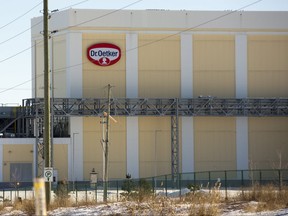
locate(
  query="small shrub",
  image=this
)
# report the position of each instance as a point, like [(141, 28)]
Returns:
[(28, 206), (193, 187), (62, 197), (128, 186), (138, 192)]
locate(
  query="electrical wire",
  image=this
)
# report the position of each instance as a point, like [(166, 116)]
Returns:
[(22, 51), (170, 35), (20, 16), (107, 14), (197, 26), (73, 5), (147, 44), (18, 34), (3, 60), (58, 70)]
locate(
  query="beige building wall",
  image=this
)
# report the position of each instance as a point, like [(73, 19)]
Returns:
[(58, 65), (154, 146), (159, 66), (57, 51), (60, 160), (215, 143), (16, 154), (39, 69), (93, 152), (214, 65), (97, 78), (267, 66), (268, 142)]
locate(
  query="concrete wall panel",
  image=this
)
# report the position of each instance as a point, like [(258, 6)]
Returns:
[(267, 66), (214, 65), (215, 143), (267, 142), (159, 66)]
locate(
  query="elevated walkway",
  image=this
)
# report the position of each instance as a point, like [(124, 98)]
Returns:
[(204, 106), (30, 115)]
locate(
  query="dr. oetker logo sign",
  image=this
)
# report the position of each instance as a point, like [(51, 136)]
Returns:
[(104, 54)]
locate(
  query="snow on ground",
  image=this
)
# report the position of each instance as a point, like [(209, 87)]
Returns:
[(148, 208)]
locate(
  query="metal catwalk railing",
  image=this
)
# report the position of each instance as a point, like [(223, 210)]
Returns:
[(173, 107), (204, 106)]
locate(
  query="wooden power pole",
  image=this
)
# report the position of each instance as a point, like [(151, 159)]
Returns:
[(106, 147), (47, 118)]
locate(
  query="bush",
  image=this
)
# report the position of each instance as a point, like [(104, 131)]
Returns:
[(62, 197), (193, 187), (128, 186), (135, 191)]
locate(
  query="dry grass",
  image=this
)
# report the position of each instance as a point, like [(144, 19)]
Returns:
[(27, 206), (267, 197), (204, 203), (195, 203)]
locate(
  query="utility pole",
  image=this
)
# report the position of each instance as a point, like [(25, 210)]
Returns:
[(47, 118), (106, 147)]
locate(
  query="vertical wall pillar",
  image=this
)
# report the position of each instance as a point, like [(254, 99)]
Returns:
[(241, 65), (131, 65), (74, 88), (132, 92), (242, 144), (74, 65), (75, 149), (1, 160), (187, 92), (186, 65), (132, 147), (188, 163), (33, 67)]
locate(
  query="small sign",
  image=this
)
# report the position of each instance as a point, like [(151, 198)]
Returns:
[(48, 174)]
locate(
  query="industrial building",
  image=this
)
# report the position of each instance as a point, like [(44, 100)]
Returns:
[(191, 91)]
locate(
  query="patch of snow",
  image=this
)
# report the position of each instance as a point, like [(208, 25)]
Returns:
[(147, 208)]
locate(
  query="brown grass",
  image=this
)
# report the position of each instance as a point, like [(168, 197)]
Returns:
[(204, 203), (196, 203), (267, 197), (27, 206)]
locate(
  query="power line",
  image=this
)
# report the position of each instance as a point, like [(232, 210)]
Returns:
[(73, 5), (3, 60), (104, 15), (13, 87), (169, 36), (197, 26), (22, 51), (20, 16), (20, 33), (147, 44)]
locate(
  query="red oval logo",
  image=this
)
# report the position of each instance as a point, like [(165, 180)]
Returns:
[(104, 54)]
